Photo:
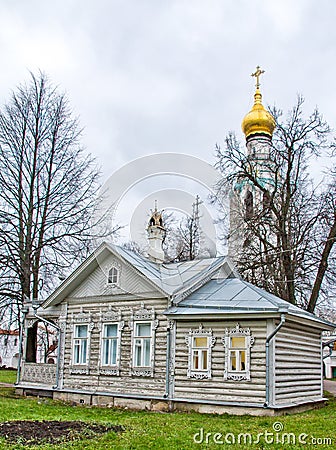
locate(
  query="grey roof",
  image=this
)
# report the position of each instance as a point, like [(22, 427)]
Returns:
[(235, 296), (171, 277), (191, 286)]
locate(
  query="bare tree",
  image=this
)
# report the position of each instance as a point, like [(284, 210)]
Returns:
[(47, 191), (184, 239), (281, 233), (324, 282)]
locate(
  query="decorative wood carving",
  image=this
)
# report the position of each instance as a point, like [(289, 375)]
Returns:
[(249, 341), (196, 373)]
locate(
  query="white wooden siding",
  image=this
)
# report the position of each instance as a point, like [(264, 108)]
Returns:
[(124, 383), (130, 282), (216, 388), (297, 364)]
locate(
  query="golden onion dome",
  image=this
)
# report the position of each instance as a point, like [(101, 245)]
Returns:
[(258, 120)]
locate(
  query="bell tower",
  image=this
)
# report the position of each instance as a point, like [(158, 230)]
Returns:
[(156, 233), (246, 199)]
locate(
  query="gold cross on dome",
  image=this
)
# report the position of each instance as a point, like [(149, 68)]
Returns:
[(257, 74)]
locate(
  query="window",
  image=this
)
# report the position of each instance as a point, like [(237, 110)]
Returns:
[(113, 276), (200, 343), (237, 354), (248, 203), (143, 325), (80, 344), (200, 353), (142, 344), (110, 344), (237, 343), (266, 201)]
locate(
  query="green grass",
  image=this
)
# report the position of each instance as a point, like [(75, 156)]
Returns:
[(7, 376), (150, 430)]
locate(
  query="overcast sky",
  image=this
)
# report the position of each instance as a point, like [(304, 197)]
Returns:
[(170, 76)]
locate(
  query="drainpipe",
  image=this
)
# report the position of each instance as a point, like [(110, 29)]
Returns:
[(24, 311), (58, 345), (166, 395), (268, 339)]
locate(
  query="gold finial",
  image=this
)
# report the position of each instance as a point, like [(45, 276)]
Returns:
[(258, 120), (257, 74)]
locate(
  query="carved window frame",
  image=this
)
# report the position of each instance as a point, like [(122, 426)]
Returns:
[(143, 315), (237, 375), (110, 317), (80, 343), (199, 374), (81, 318)]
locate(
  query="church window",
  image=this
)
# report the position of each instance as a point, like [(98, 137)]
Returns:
[(200, 343), (110, 344), (237, 343), (142, 344), (266, 201), (113, 276), (80, 344), (248, 204)]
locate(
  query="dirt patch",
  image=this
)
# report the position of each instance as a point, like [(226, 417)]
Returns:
[(29, 432)]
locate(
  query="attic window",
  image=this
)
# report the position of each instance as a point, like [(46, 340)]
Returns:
[(113, 276)]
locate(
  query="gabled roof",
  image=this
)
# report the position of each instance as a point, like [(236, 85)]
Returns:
[(169, 279), (235, 296)]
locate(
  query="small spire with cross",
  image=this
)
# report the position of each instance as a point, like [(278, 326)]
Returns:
[(257, 74)]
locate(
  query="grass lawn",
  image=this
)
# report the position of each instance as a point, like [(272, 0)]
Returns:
[(150, 430), (7, 376)]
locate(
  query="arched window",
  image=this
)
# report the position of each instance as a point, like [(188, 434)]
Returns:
[(266, 201), (113, 276), (248, 204)]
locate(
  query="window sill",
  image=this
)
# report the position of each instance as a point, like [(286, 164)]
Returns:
[(142, 372), (109, 370), (199, 374)]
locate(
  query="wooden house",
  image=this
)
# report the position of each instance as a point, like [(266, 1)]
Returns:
[(187, 336), (193, 335)]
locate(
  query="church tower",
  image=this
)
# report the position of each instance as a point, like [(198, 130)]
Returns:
[(156, 233), (246, 199)]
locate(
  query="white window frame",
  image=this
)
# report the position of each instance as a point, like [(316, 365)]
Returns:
[(237, 374), (142, 316), (139, 342), (109, 339), (78, 342), (113, 275), (80, 318), (196, 372), (110, 317)]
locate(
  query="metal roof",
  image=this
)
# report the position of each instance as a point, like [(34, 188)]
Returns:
[(235, 296), (170, 277)]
